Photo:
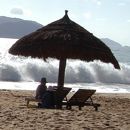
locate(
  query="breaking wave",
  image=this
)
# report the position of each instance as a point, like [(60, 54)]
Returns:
[(13, 68)]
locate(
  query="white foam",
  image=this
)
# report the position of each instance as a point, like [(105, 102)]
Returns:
[(14, 68)]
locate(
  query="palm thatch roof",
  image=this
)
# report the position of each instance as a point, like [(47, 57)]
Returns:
[(63, 39)]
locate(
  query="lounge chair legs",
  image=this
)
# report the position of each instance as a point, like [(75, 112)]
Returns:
[(80, 108), (96, 108), (68, 107)]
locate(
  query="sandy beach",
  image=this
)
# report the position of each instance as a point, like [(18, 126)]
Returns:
[(114, 114)]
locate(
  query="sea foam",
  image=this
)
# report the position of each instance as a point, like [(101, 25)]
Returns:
[(18, 68)]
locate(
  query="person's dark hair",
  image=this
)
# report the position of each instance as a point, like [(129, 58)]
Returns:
[(43, 80)]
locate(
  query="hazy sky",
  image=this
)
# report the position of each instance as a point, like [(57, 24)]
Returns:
[(103, 18)]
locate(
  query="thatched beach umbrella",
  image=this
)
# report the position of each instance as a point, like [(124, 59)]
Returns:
[(63, 39)]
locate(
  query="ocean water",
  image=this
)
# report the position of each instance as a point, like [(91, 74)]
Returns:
[(24, 73)]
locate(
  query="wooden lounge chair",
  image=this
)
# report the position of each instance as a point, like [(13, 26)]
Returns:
[(81, 98), (59, 95)]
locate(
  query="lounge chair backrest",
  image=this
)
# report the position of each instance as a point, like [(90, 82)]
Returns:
[(60, 94), (82, 95)]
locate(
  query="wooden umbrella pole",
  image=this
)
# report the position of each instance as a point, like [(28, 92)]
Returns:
[(61, 75)]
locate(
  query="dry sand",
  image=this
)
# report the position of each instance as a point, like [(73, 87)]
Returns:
[(114, 114)]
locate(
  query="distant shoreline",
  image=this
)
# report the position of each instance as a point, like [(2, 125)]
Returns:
[(99, 87)]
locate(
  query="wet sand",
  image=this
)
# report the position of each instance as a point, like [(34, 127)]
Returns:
[(114, 114)]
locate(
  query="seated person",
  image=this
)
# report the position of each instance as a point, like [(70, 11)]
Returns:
[(41, 89), (46, 95)]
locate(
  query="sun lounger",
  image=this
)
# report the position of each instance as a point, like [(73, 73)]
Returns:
[(81, 98), (59, 95)]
